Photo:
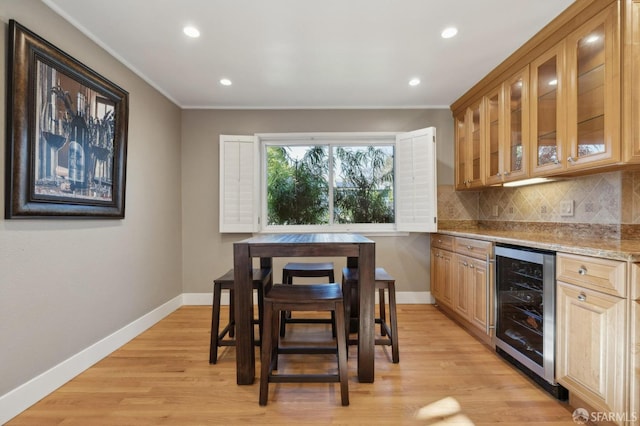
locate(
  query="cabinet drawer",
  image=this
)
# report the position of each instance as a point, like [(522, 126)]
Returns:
[(442, 241), (608, 276), (474, 248)]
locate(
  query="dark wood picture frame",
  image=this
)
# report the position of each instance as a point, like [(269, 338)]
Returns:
[(66, 135)]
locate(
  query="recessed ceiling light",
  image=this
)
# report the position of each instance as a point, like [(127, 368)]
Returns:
[(449, 32), (225, 82), (191, 31), (414, 82)]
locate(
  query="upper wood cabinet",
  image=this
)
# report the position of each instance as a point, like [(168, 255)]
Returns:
[(506, 111), (561, 104), (593, 105), (548, 111), (470, 147), (631, 81)]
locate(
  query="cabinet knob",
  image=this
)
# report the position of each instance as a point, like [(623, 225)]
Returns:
[(570, 159), (469, 248), (582, 297), (471, 266), (507, 173), (556, 161), (498, 174), (465, 263), (582, 270)]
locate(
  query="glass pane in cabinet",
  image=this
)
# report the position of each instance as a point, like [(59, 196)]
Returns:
[(590, 101), (515, 131), (475, 144), (462, 152), (494, 141), (547, 105)]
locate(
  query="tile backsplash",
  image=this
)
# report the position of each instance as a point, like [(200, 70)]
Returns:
[(607, 198)]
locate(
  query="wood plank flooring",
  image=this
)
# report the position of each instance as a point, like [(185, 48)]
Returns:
[(163, 377)]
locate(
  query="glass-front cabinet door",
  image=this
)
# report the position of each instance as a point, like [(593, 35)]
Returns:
[(548, 115), (516, 136), (494, 107), (476, 145), (593, 117), (631, 127), (461, 151), (469, 148)]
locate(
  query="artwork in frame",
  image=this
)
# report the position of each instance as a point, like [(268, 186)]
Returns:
[(66, 134)]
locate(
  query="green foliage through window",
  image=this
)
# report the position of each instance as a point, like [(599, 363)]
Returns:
[(299, 187)]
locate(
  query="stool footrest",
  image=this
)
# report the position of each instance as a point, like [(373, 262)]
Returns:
[(309, 321), (306, 350), (304, 378)]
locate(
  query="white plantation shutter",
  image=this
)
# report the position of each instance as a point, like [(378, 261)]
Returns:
[(239, 177), (416, 184)]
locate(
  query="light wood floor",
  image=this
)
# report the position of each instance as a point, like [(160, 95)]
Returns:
[(163, 377)]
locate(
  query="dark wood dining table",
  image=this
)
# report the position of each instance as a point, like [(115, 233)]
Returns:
[(360, 253)]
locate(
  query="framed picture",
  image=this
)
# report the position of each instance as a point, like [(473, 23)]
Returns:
[(66, 135)]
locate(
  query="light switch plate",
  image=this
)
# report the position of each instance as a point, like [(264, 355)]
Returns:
[(566, 208)]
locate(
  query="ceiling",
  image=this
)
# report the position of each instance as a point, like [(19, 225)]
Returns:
[(310, 53)]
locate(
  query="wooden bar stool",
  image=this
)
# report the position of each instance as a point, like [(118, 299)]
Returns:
[(384, 282), (306, 270), (312, 297), (261, 282)]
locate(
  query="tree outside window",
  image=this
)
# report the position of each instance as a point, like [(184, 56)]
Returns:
[(298, 184)]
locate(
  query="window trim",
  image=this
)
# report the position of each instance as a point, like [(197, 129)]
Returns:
[(321, 138)]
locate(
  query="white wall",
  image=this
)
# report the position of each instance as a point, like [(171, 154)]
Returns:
[(66, 284)]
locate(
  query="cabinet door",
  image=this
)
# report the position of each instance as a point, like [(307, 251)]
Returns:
[(631, 102), (495, 151), (476, 140), (480, 306), (462, 149), (442, 276), (593, 118), (548, 115), (516, 124), (470, 148), (461, 297), (592, 345)]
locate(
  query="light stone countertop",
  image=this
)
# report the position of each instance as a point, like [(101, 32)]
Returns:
[(625, 250)]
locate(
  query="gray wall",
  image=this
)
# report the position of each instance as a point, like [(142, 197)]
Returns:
[(66, 284), (207, 253)]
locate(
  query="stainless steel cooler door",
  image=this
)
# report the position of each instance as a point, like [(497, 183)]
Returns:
[(525, 308)]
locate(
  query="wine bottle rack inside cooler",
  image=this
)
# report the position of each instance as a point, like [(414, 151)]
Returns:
[(525, 311)]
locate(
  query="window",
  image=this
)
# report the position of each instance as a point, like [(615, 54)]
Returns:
[(323, 182), (329, 184)]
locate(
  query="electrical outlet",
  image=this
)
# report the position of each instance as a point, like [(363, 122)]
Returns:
[(566, 208)]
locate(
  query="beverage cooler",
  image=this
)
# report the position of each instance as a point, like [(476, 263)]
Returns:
[(525, 312)]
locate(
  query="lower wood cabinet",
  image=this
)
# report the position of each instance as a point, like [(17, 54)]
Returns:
[(592, 346), (461, 281), (442, 273), (472, 295)]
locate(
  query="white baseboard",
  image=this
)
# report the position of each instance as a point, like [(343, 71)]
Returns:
[(402, 297), (27, 394), (19, 399)]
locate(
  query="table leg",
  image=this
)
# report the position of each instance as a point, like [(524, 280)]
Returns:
[(366, 331), (243, 299)]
